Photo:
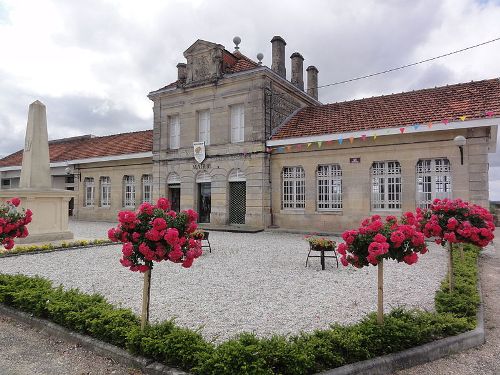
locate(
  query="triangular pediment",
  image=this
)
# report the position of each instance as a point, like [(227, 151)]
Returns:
[(201, 45)]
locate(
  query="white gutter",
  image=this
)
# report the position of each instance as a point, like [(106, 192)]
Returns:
[(138, 155), (416, 128)]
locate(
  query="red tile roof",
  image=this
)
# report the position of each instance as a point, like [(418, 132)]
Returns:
[(240, 63), (473, 99), (90, 147)]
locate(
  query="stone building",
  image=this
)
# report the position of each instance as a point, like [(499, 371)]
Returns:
[(242, 145)]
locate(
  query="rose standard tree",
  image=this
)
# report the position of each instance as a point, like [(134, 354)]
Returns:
[(152, 234), (13, 222), (376, 240), (456, 221)]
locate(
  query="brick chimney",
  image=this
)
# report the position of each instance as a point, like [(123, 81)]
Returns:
[(278, 64), (312, 81), (297, 70), (181, 72)]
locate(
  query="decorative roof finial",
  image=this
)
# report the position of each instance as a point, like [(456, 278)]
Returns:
[(260, 56), (236, 41)]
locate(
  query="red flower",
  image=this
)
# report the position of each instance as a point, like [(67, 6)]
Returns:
[(15, 201), (127, 249), (163, 203), (411, 258)]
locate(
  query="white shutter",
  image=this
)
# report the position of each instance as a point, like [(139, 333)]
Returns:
[(237, 123), (204, 126), (175, 132)]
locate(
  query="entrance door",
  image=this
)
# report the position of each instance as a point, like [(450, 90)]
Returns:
[(204, 201), (174, 196), (237, 202)]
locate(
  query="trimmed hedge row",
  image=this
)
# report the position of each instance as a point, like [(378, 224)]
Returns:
[(305, 353), (19, 249)]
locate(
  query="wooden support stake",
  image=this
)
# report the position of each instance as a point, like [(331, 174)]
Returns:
[(380, 304), (145, 299), (450, 266)]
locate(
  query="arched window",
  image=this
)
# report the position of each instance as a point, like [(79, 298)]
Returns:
[(329, 187), (105, 191), (236, 175), (293, 188), (89, 191), (433, 178), (147, 188), (128, 191), (386, 185)]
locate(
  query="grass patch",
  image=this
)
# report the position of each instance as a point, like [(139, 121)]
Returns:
[(306, 353), (20, 249)]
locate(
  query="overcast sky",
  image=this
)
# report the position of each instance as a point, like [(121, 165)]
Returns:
[(93, 62)]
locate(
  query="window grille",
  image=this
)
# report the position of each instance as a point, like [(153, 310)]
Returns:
[(89, 191), (147, 188), (433, 181), (386, 185), (294, 188), (128, 191), (329, 187), (237, 123), (105, 191), (175, 132), (204, 126)]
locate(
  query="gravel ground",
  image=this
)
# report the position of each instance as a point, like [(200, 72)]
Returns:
[(26, 351), (250, 282)]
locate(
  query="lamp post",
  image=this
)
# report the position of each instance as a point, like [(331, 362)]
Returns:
[(460, 141)]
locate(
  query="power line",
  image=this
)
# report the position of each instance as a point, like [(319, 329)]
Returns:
[(408, 65)]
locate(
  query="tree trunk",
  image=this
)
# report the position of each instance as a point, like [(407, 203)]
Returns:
[(450, 267), (145, 299), (380, 304)]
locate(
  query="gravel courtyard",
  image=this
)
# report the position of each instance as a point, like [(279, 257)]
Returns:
[(250, 282)]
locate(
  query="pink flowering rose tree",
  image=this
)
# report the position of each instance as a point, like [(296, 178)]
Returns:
[(377, 239), (456, 221), (13, 222), (152, 234)]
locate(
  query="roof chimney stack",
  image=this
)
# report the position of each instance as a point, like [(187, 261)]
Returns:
[(278, 57), (312, 81), (181, 72), (297, 70)]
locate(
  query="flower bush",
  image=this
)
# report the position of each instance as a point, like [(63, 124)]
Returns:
[(320, 242), (454, 221), (13, 222), (377, 239), (154, 233)]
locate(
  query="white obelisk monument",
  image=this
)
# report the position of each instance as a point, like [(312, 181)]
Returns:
[(49, 206)]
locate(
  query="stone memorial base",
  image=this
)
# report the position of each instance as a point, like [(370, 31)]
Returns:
[(50, 213)]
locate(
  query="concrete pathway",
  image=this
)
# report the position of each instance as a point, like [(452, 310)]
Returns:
[(484, 360)]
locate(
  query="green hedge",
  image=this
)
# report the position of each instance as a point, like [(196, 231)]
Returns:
[(306, 353), (20, 249)]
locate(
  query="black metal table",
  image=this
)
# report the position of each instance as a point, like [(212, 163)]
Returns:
[(322, 255)]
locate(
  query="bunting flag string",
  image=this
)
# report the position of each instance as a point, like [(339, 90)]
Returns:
[(415, 126)]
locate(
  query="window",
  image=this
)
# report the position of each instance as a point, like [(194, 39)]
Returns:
[(128, 191), (89, 187), (386, 185), (237, 123), (147, 188), (105, 191), (175, 132), (329, 182), (204, 126), (433, 181), (294, 187), (6, 183)]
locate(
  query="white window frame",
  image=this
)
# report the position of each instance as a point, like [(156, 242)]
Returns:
[(329, 187), (293, 188), (175, 132), (105, 182), (89, 189), (386, 186), (147, 188), (433, 179), (204, 126), (129, 191), (237, 123)]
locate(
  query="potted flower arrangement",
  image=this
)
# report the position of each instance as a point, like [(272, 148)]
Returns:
[(456, 221), (13, 222), (199, 235), (318, 243), (376, 240), (152, 234)]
